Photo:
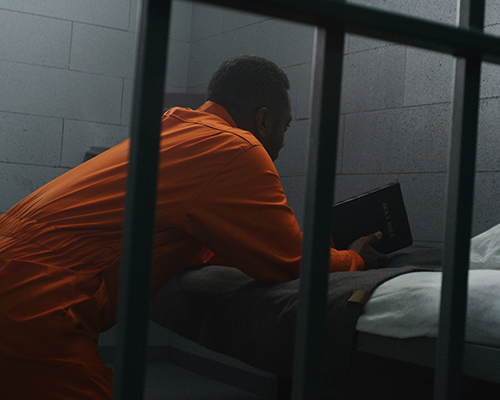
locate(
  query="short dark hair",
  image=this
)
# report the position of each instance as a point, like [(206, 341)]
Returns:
[(248, 83)]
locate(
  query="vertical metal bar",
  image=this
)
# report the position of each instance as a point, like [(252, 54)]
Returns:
[(311, 314), (449, 358), (140, 200)]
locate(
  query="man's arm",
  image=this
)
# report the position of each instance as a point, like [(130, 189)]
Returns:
[(242, 217)]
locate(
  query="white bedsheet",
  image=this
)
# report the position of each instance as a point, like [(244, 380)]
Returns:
[(408, 305)]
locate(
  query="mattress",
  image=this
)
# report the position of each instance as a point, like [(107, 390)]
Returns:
[(408, 305), (224, 310)]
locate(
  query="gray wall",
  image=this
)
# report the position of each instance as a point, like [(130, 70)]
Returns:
[(67, 68), (396, 111)]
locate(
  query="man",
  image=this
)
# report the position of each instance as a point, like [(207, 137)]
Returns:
[(219, 201)]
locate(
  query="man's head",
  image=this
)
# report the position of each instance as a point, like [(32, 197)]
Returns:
[(254, 91)]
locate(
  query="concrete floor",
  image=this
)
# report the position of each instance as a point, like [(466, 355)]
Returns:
[(165, 381)]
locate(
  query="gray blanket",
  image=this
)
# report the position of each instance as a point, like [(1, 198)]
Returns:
[(224, 310)]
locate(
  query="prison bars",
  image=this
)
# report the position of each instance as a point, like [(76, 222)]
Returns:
[(310, 339), (335, 18), (140, 200), (450, 346)]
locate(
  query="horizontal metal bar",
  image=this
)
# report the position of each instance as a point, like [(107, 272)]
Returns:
[(378, 24)]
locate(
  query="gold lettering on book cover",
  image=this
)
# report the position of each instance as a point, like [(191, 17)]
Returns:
[(388, 220)]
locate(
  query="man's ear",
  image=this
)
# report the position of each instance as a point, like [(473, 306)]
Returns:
[(262, 123)]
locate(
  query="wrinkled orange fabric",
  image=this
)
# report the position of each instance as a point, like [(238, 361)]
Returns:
[(219, 200)]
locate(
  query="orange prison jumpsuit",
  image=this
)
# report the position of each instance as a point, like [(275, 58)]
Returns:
[(218, 194)]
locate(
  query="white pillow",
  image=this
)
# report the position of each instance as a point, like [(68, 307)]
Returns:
[(485, 250)]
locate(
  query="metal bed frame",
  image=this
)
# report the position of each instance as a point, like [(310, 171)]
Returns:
[(334, 18)]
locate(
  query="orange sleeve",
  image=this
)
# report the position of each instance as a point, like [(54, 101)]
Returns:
[(242, 217), (345, 260)]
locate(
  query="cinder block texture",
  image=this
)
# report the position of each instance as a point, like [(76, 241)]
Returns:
[(374, 79), (300, 89), (434, 10), (490, 73), (218, 34), (303, 99), (492, 12), (293, 157), (109, 13), (437, 10), (486, 202), (285, 43), (177, 66), (293, 77), (21, 180), (34, 40), (30, 140), (207, 54), (413, 139), (63, 62), (425, 197), (60, 93), (126, 107), (357, 43), (209, 20), (428, 77), (234, 19), (488, 149), (179, 46), (79, 136), (295, 192), (490, 81), (181, 15), (103, 50)]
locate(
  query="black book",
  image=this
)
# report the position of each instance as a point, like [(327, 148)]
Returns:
[(382, 209)]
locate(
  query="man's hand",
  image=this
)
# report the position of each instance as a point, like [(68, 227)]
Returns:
[(363, 246)]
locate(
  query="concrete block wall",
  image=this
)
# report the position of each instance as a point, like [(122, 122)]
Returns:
[(396, 104), (179, 46), (67, 69), (397, 111), (397, 117)]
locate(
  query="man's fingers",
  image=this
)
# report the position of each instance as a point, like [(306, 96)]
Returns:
[(374, 237)]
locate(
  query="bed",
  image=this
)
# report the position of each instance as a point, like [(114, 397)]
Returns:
[(389, 342)]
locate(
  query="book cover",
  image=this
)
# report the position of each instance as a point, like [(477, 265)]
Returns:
[(382, 209)]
